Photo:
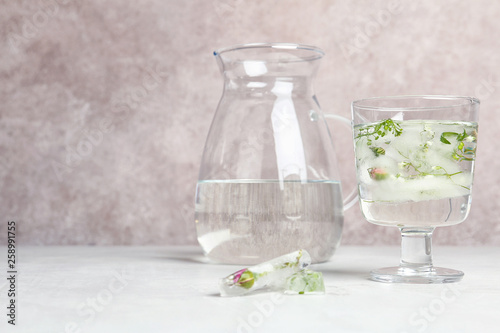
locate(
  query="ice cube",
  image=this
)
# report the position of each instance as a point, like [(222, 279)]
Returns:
[(305, 282), (271, 274)]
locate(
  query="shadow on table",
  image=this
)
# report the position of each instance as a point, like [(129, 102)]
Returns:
[(358, 274), (185, 255)]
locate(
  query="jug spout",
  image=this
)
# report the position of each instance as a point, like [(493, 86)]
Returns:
[(260, 60)]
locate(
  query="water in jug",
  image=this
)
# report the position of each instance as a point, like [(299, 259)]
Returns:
[(268, 182)]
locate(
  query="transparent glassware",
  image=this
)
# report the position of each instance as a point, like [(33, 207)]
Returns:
[(268, 182), (415, 164)]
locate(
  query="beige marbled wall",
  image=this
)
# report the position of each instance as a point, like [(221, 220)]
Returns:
[(105, 105)]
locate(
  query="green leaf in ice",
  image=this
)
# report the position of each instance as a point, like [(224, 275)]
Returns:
[(459, 137), (462, 136), (463, 152), (378, 151), (449, 135), (290, 264), (379, 130)]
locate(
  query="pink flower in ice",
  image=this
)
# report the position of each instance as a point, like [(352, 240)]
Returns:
[(377, 173), (243, 278)]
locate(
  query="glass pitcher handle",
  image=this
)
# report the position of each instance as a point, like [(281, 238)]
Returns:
[(352, 197)]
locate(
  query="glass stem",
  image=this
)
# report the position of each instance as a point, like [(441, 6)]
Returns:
[(416, 249)]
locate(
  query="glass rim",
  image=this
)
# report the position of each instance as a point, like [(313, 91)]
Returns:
[(317, 53), (461, 101)]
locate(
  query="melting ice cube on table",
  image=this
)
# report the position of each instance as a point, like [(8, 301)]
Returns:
[(286, 273), (305, 282)]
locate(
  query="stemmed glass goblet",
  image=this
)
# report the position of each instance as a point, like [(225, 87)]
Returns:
[(415, 161)]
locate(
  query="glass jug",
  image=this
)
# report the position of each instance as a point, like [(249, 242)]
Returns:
[(268, 182)]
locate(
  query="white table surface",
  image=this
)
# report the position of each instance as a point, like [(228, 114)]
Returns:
[(173, 289)]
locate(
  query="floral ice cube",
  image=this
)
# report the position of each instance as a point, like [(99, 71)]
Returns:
[(270, 274), (305, 282)]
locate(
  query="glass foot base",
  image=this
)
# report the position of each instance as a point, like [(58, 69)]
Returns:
[(407, 275)]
